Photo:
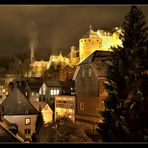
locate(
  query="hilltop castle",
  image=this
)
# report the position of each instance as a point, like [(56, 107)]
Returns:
[(98, 40), (91, 41)]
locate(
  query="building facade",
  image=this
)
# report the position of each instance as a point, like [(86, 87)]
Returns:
[(49, 90), (65, 107), (89, 79), (16, 109), (45, 109)]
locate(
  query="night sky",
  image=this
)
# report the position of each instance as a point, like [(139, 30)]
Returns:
[(54, 27)]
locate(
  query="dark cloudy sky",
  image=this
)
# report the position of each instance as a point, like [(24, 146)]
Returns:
[(54, 27)]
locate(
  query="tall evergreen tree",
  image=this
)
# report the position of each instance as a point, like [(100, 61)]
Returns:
[(136, 39), (124, 101)]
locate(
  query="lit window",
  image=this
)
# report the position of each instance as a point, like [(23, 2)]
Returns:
[(81, 106), (3, 90), (27, 131), (27, 121), (58, 91), (83, 73), (40, 91), (90, 72), (51, 92), (33, 94), (54, 92), (44, 89)]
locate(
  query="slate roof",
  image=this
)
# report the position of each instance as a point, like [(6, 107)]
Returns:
[(17, 104), (98, 61), (33, 84), (6, 135), (97, 55), (52, 83)]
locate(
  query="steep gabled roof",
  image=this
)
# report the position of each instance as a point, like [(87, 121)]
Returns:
[(98, 54), (40, 105), (17, 104), (6, 135), (98, 61), (35, 83), (28, 83), (52, 83)]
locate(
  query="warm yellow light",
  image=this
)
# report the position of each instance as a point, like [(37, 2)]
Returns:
[(98, 32), (58, 91), (51, 92), (3, 90)]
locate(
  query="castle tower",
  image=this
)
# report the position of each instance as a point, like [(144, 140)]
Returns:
[(89, 43), (74, 55)]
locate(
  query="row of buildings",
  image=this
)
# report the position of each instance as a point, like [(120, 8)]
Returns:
[(79, 98)]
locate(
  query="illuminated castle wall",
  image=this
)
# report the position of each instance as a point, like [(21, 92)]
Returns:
[(38, 68), (98, 40), (90, 42), (58, 59), (74, 56)]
